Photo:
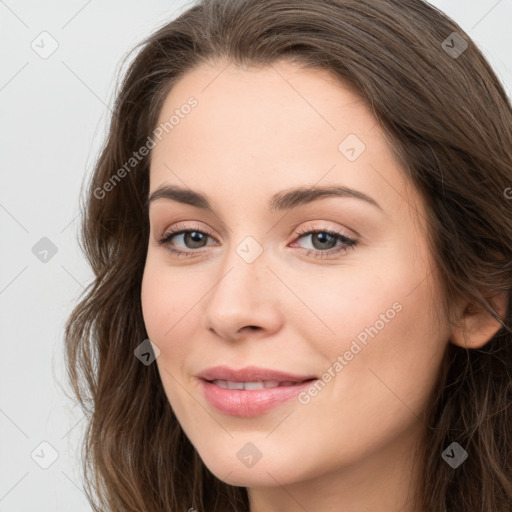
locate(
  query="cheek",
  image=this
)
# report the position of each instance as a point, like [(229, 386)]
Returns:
[(154, 302), (165, 299), (167, 308), (342, 305), (381, 320), (170, 300)]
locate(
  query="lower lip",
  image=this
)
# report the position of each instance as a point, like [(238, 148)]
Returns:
[(250, 402)]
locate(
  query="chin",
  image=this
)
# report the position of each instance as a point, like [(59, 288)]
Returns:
[(266, 472)]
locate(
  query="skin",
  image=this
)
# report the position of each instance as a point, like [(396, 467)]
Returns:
[(253, 133)]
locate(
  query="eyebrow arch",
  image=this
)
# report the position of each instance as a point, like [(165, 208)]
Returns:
[(284, 200)]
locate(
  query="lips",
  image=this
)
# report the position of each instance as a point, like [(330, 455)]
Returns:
[(250, 391), (254, 402), (266, 384), (251, 374)]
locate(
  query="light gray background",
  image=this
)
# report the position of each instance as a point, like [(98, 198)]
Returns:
[(54, 117)]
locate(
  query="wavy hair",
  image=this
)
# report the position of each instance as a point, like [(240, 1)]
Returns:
[(450, 124)]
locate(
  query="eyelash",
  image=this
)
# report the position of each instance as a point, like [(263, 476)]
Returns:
[(348, 243)]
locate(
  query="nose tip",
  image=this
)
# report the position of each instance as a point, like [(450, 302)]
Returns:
[(242, 303), (238, 334)]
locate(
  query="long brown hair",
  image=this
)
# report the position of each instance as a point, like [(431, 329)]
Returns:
[(450, 123)]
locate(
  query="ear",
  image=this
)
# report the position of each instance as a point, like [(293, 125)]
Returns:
[(477, 326)]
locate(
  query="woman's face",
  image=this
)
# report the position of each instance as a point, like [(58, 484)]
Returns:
[(259, 289)]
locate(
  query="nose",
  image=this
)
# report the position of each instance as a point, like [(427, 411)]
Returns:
[(243, 299)]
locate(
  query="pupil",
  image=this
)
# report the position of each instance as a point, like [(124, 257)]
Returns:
[(194, 235), (320, 236)]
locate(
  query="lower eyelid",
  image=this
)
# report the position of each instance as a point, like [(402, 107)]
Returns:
[(347, 243)]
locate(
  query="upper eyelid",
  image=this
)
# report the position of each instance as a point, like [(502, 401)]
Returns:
[(181, 226), (303, 232)]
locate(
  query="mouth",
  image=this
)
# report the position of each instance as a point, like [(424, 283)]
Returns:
[(252, 375), (250, 398), (247, 385)]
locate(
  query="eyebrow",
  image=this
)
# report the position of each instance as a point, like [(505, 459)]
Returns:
[(284, 200)]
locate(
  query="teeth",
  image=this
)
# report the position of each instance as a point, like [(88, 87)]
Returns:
[(253, 385), (221, 383), (267, 384), (235, 385)]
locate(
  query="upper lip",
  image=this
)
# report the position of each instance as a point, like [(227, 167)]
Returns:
[(250, 374)]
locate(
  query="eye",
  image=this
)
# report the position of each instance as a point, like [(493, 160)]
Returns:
[(325, 241), (195, 237)]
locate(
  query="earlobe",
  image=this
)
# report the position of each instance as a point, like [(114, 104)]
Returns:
[(476, 326)]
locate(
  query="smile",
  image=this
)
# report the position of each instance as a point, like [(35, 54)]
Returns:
[(267, 384), (247, 399)]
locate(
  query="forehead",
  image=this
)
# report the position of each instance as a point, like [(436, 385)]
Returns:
[(280, 99), (264, 129)]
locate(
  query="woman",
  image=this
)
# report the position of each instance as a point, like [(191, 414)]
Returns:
[(301, 233)]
